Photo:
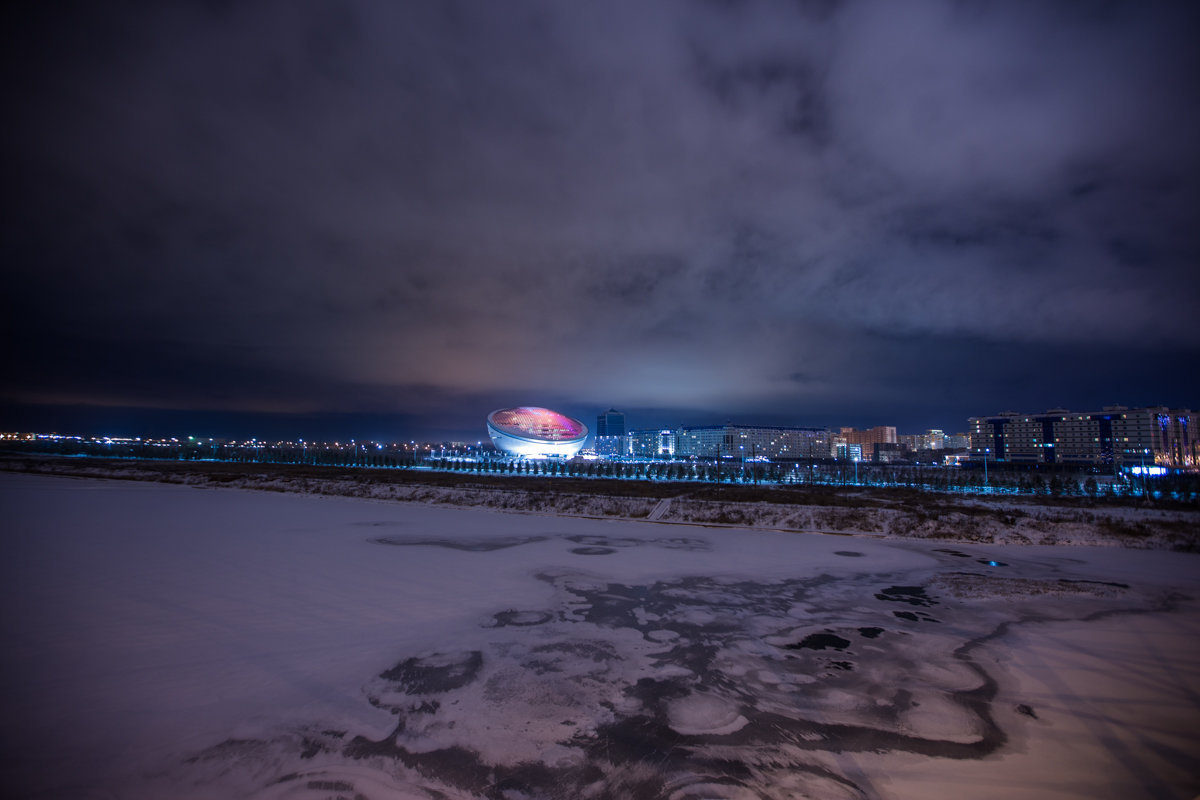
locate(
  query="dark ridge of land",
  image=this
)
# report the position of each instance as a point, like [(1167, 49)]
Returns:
[(894, 512), (849, 496)]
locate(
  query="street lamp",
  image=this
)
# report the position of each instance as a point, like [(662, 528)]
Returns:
[(986, 450)]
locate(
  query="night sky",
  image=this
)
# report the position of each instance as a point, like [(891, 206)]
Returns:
[(388, 219)]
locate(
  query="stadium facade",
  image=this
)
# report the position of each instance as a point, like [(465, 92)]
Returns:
[(533, 432)]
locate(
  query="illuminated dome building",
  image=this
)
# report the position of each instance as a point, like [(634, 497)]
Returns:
[(529, 431)]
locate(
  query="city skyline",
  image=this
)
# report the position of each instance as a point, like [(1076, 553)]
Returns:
[(387, 221)]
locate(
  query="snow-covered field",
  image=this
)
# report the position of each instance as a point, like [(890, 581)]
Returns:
[(968, 519), (178, 642)]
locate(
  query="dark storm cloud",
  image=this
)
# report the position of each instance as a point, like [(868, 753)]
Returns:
[(375, 207)]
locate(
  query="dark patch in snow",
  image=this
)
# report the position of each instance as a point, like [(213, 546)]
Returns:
[(870, 633), (1026, 710), (913, 595), (669, 543), (540, 666), (918, 616), (848, 553), (330, 786), (1095, 583), (520, 618), (311, 748), (820, 641), (592, 551), (949, 552), (605, 541), (435, 673), (468, 545)]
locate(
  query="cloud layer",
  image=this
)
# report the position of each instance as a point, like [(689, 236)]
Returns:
[(746, 207)]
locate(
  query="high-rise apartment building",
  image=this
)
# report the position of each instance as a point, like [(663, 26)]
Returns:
[(1117, 434), (880, 434), (611, 423)]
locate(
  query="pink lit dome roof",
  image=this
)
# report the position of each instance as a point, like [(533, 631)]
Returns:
[(529, 422)]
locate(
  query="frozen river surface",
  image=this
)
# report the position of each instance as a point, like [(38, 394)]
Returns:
[(166, 641)]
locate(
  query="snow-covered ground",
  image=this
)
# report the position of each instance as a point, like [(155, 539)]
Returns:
[(171, 641), (970, 519)]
